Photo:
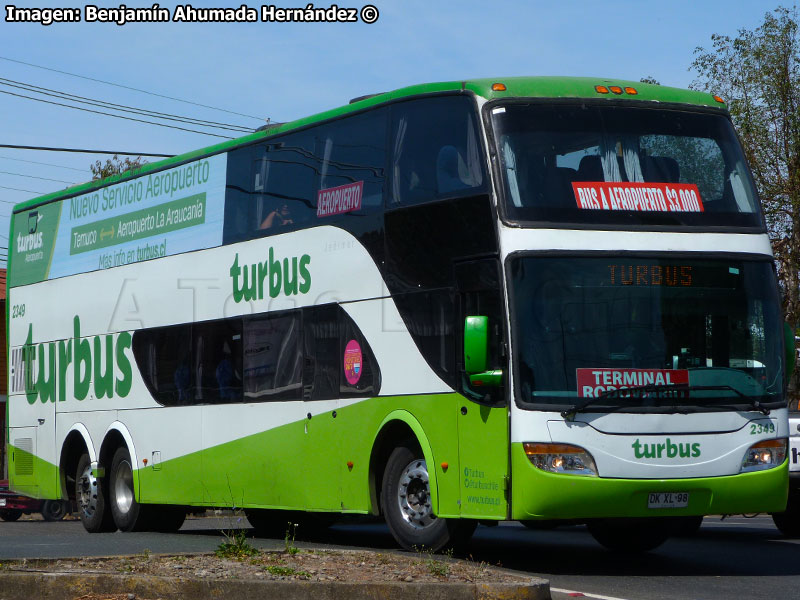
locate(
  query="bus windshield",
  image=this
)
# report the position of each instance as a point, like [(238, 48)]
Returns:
[(624, 166), (694, 334)]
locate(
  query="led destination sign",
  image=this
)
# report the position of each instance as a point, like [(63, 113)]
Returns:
[(649, 274)]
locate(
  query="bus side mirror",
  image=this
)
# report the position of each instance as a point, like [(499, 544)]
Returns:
[(791, 352), (476, 345)]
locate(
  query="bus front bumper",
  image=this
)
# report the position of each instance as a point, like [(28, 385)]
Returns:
[(536, 494)]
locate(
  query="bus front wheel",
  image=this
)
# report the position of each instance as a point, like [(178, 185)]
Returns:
[(630, 535), (91, 497), (788, 522), (407, 507)]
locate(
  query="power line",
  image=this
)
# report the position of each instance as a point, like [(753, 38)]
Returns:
[(131, 88), (36, 162), (35, 177), (52, 149), (18, 190), (121, 107), (116, 116)]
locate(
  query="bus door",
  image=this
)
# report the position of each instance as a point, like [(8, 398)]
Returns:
[(483, 428), (36, 438), (323, 425)]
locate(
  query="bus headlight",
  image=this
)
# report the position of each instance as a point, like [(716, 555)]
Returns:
[(764, 455), (560, 458)]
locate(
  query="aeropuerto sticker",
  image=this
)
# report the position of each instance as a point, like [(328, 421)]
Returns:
[(593, 382), (339, 200), (353, 361), (637, 197)]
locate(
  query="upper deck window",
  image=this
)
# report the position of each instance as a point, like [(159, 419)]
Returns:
[(436, 151), (317, 176), (627, 166)]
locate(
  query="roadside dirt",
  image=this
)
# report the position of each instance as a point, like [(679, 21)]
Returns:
[(292, 565), (328, 565), (237, 559)]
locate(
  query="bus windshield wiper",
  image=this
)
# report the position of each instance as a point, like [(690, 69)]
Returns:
[(640, 391)]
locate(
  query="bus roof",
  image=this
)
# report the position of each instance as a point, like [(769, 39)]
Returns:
[(515, 87)]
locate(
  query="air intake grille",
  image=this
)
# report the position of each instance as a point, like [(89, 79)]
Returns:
[(23, 461)]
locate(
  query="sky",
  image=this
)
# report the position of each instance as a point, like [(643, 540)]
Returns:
[(284, 71)]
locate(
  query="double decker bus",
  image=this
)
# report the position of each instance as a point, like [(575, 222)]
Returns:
[(456, 303)]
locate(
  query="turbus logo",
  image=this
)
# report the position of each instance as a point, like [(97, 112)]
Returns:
[(665, 450), (250, 282), (100, 363)]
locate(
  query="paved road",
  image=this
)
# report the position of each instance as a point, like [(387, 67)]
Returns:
[(734, 558)]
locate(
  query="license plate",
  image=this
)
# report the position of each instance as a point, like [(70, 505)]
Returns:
[(668, 500), (2, 501)]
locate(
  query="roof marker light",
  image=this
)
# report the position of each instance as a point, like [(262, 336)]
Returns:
[(631, 91), (718, 99), (615, 89), (499, 87), (601, 89)]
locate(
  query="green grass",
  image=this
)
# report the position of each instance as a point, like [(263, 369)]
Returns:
[(235, 546), (286, 571)]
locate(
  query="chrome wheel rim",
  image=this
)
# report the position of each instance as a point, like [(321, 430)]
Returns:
[(123, 487), (86, 491), (413, 495)]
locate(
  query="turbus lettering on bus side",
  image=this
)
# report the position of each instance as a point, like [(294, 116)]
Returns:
[(289, 275), (101, 364)]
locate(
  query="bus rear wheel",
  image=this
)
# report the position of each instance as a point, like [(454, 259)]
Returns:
[(407, 508), (630, 535), (128, 514), (90, 494)]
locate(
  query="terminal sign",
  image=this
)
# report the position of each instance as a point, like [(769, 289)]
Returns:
[(593, 382)]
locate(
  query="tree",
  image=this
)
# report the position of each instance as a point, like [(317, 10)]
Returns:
[(115, 166), (758, 74)]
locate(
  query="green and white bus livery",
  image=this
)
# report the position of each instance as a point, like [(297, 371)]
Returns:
[(531, 299)]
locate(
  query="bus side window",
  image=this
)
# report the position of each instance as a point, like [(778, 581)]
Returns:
[(430, 318), (273, 357), (289, 181), (190, 364), (164, 358), (359, 374), (217, 361), (321, 345), (239, 204), (353, 153), (435, 150)]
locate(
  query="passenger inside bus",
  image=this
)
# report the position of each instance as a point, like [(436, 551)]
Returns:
[(279, 217)]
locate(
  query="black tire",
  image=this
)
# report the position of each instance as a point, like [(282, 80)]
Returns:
[(630, 536), (788, 522), (54, 510), (413, 523), (10, 514), (167, 518), (128, 514), (91, 494)]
